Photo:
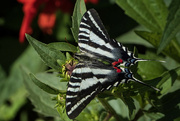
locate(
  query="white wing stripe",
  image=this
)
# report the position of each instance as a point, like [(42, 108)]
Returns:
[(84, 29), (104, 53), (129, 53), (98, 50), (94, 70), (84, 18), (85, 84), (96, 39), (103, 80), (71, 96), (80, 102), (82, 23), (93, 38), (71, 89), (94, 22), (101, 71), (108, 87), (69, 103), (73, 77), (74, 84), (108, 46), (115, 84), (82, 39), (124, 48), (84, 34)]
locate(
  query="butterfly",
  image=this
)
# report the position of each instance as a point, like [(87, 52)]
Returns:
[(103, 63)]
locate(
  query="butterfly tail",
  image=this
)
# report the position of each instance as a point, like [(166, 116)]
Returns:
[(138, 81)]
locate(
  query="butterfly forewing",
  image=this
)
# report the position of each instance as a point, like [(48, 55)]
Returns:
[(94, 40)]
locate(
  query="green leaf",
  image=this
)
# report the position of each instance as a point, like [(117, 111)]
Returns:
[(172, 26), (68, 56), (52, 80), (61, 29), (40, 99), (12, 88), (49, 55), (150, 13), (172, 50), (63, 46), (91, 112), (44, 86), (172, 64), (2, 74), (153, 116), (78, 12), (131, 106), (63, 114), (120, 108), (167, 79), (16, 100), (11, 85), (150, 69), (103, 116), (164, 82), (170, 104), (131, 38)]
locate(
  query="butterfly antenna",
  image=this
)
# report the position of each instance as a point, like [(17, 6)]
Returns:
[(139, 59), (136, 80)]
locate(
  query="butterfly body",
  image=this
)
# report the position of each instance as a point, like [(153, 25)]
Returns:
[(103, 63)]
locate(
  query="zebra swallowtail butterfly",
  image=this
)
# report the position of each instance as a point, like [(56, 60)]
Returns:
[(91, 75)]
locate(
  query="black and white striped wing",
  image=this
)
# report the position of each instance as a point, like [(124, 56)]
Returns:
[(94, 41), (90, 75), (82, 88), (87, 80), (93, 38)]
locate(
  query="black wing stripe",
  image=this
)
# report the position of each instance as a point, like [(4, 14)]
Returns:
[(84, 24), (91, 83), (93, 38), (74, 79), (94, 17), (75, 105), (95, 45), (96, 52), (74, 109), (91, 75), (90, 29), (89, 38)]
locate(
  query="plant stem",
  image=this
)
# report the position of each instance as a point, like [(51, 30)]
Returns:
[(111, 111), (107, 117)]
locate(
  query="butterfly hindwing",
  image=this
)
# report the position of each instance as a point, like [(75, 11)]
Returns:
[(87, 80), (83, 86)]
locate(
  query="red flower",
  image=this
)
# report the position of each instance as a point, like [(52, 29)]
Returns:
[(91, 1), (46, 22), (47, 17)]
